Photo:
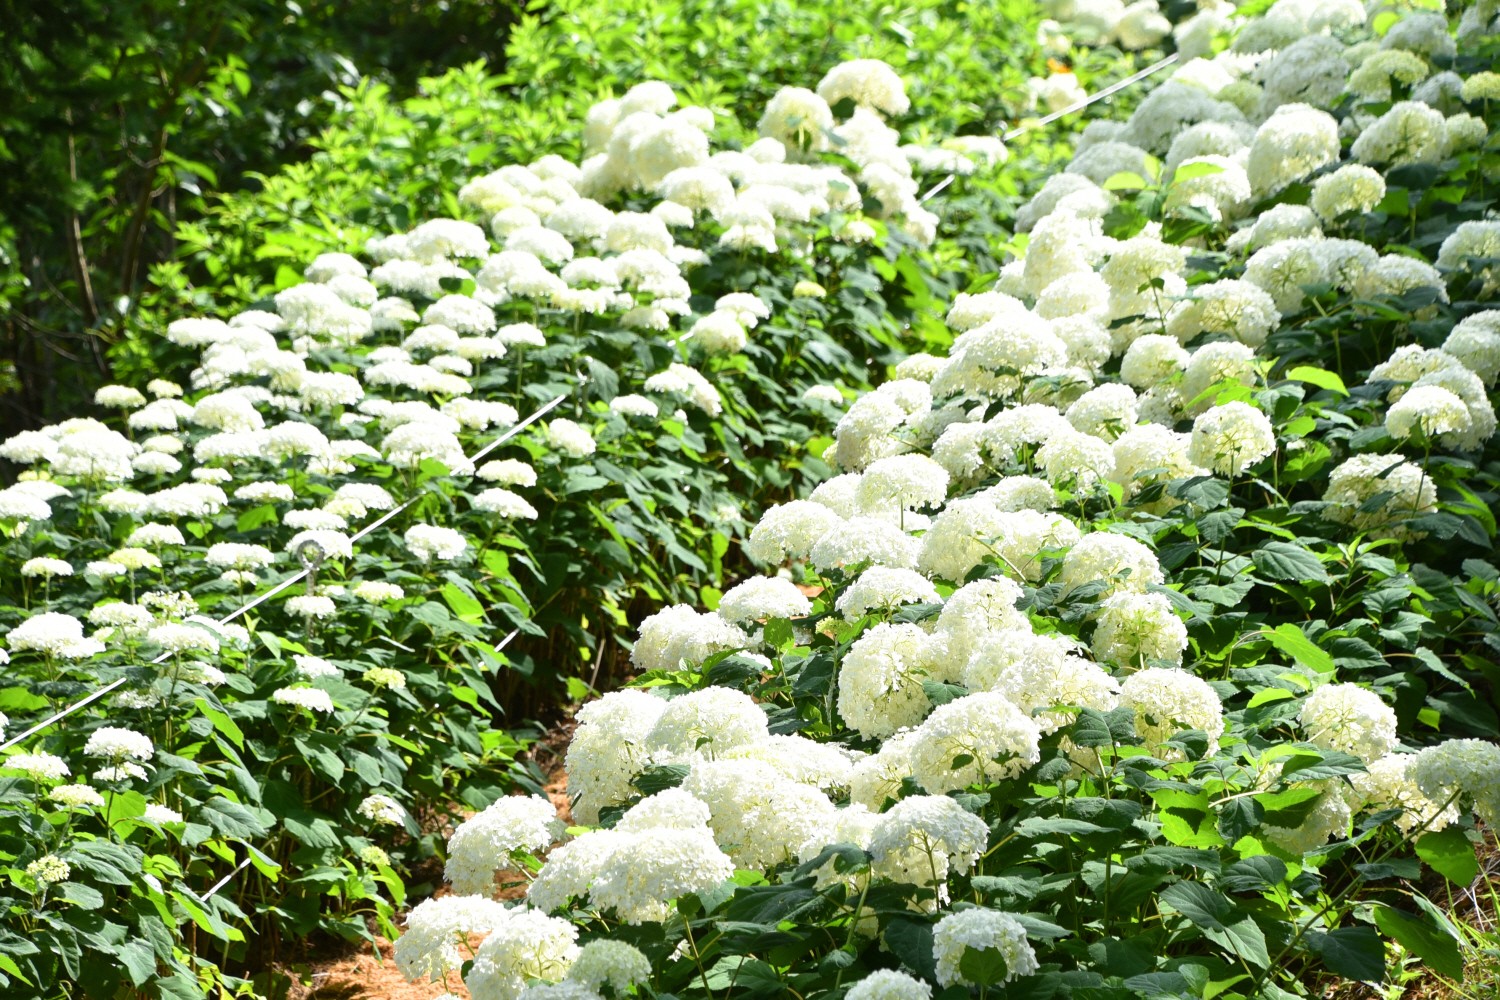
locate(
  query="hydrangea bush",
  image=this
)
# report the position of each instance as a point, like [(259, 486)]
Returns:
[(1142, 644), (281, 588)]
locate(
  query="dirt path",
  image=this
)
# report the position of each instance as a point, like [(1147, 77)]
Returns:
[(370, 973)]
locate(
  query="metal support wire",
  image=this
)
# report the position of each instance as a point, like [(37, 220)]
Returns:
[(290, 581), (1037, 123)]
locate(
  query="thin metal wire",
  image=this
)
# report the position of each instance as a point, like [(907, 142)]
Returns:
[(290, 581), (1027, 126), (225, 880)]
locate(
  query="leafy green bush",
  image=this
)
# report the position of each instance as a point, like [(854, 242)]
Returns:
[(255, 777), (1143, 647), (117, 124)]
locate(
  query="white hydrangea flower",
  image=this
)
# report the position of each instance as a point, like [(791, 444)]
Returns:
[(1350, 718), (998, 740), (763, 597), (310, 698), (884, 588), (1388, 784), (1132, 629), (1229, 437), (483, 844), (1462, 771), (116, 744), (1168, 701), (436, 928), (980, 929), (925, 837)]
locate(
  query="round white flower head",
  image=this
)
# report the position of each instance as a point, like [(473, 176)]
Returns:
[(570, 438), (1134, 629), (760, 817), (799, 118), (507, 472), (309, 698), (998, 741), (1460, 771), (430, 542), (428, 947), (869, 83), (311, 606), (901, 483), (1349, 718), (116, 744), (706, 723), (49, 869), (313, 667), (924, 837), (378, 591), (1475, 342), (382, 810), (1351, 189), (862, 540), (77, 796), (678, 635), (1121, 562), (608, 750), (484, 844), (53, 634), (1152, 359), (504, 503), (880, 680), (612, 963), (161, 815), (1431, 409), (883, 588), (638, 874), (1388, 784), (1039, 676), (1410, 132), (887, 984), (1391, 489), (46, 567), (789, 531), (39, 767), (762, 597), (977, 929), (1168, 701), (1229, 437)]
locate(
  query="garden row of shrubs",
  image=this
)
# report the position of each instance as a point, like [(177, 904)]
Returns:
[(378, 489)]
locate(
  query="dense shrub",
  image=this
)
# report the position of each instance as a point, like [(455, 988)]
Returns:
[(1143, 646), (117, 123), (305, 753)]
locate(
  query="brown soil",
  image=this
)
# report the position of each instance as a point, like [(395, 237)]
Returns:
[(370, 973)]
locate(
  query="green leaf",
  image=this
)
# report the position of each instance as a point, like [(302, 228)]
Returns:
[(1307, 765), (230, 819), (983, 966), (1450, 854), (1352, 952), (1090, 729), (1292, 641), (779, 634), (1434, 945), (1254, 874), (1291, 807), (222, 722), (85, 896), (1200, 904), (911, 942), (464, 605), (1285, 561), (139, 961), (1319, 377)]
